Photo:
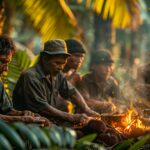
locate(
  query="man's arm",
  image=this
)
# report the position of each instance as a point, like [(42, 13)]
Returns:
[(68, 91), (26, 119), (53, 112), (34, 97), (14, 112), (82, 105)]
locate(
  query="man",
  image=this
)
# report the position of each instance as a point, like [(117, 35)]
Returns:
[(99, 85), (38, 87), (74, 62), (7, 113)]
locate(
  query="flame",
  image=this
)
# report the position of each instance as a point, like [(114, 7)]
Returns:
[(129, 122), (70, 107)]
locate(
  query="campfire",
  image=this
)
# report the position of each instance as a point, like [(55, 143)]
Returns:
[(129, 123)]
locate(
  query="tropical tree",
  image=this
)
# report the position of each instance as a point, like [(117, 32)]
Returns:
[(111, 14), (52, 18)]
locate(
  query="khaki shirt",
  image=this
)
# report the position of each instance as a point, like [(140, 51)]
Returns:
[(34, 91), (90, 89)]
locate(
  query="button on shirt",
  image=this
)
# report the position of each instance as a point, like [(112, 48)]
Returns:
[(35, 91)]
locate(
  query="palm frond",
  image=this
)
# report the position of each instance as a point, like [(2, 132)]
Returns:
[(19, 63), (52, 19), (124, 13)]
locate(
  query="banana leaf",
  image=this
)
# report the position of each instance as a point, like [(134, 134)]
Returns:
[(20, 62)]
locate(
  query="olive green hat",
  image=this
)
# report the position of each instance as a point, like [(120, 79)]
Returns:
[(102, 56), (55, 47)]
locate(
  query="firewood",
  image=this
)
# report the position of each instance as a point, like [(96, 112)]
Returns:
[(94, 126), (108, 118)]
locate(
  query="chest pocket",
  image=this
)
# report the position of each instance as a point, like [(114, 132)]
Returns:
[(52, 92)]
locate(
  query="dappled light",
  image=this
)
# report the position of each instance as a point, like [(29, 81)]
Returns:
[(75, 74), (124, 13)]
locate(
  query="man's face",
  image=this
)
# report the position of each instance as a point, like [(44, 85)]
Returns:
[(55, 64), (4, 61), (75, 60), (103, 70)]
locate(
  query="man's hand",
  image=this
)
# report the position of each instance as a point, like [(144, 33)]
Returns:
[(47, 123), (29, 113), (92, 113), (14, 112), (78, 118), (42, 121), (30, 119)]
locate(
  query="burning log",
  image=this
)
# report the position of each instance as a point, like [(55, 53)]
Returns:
[(108, 118), (129, 124)]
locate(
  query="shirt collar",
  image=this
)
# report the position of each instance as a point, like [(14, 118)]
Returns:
[(40, 70)]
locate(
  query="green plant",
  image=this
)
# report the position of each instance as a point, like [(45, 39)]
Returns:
[(140, 143), (20, 62), (124, 144), (130, 144), (86, 143), (21, 136)]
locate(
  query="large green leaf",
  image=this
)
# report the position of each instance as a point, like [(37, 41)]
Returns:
[(20, 62), (140, 143), (124, 144), (87, 138), (22, 136)]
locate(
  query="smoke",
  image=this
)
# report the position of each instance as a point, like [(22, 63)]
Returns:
[(133, 85)]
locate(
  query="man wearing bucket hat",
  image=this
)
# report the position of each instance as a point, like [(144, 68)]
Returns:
[(98, 85), (38, 87)]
